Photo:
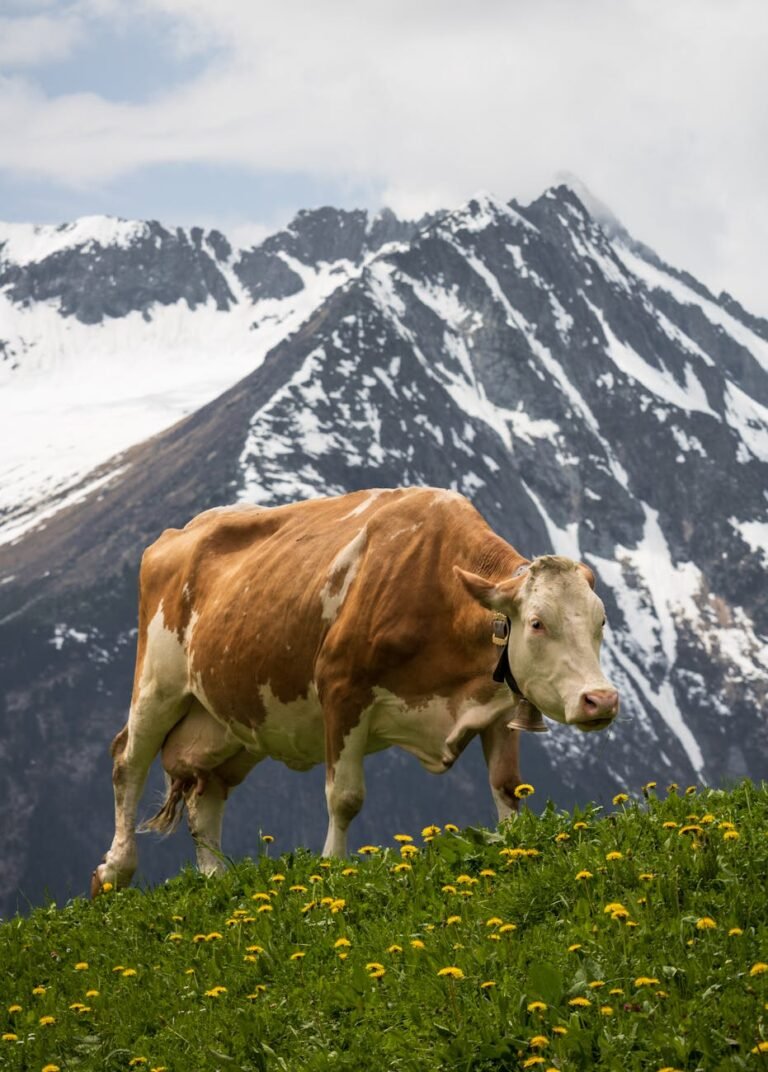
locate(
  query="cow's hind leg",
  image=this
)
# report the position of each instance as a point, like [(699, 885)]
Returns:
[(152, 717)]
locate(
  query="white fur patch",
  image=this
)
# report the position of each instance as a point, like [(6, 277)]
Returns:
[(348, 562)]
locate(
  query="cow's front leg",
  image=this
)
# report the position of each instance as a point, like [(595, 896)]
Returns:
[(344, 782), (501, 748)]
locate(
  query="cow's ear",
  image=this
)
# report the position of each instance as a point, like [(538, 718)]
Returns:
[(499, 597), (590, 577)]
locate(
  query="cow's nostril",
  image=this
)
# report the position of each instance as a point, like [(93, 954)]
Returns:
[(600, 703)]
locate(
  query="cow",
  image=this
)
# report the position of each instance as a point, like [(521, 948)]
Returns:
[(325, 630)]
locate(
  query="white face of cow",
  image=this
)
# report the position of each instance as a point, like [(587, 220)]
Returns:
[(555, 635)]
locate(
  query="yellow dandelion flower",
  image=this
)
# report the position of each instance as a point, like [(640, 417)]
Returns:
[(9, 1037), (531, 852), (51, 1068), (250, 958), (706, 923), (690, 790), (394, 948), (558, 1029), (254, 949), (734, 932), (297, 955), (46, 1021), (263, 908), (398, 869), (574, 947), (326, 864), (42, 989), (451, 828), (341, 942), (630, 922), (494, 937), (452, 972), (647, 876), (315, 878), (267, 839), (369, 850), (487, 984), (338, 905), (451, 920), (374, 969), (531, 1062), (707, 819), (646, 980), (649, 786), (487, 872), (580, 1003), (349, 871), (758, 969), (466, 880), (562, 836), (127, 973), (409, 850), (762, 1047), (616, 990), (214, 936), (175, 937), (621, 798), (448, 889), (614, 906), (662, 994), (430, 831), (260, 896), (14, 1008), (135, 1061), (82, 965), (614, 856), (669, 825), (505, 928), (731, 835), (726, 824), (523, 790), (308, 907), (580, 825), (281, 878), (297, 889), (596, 984), (538, 1042), (416, 943), (606, 1010), (76, 1006), (215, 991), (403, 838), (536, 1006), (494, 921), (581, 875)]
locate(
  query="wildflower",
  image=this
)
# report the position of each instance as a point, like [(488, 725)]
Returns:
[(558, 1029), (297, 889), (14, 1008), (574, 947), (297, 955), (606, 1010), (250, 958), (580, 825), (758, 969), (134, 1061), (82, 965), (326, 865), (42, 989), (648, 787), (538, 1042), (9, 1037), (369, 850), (614, 856), (494, 937), (690, 790), (487, 984), (621, 798), (580, 1003), (128, 972), (349, 871), (254, 949), (197, 938), (175, 937), (505, 928), (452, 919), (583, 875), (615, 906), (261, 908), (106, 887), (494, 921), (536, 1006), (562, 836), (451, 828), (466, 880), (706, 923), (394, 948), (258, 989), (707, 819), (260, 896), (762, 1047), (430, 831), (46, 1021), (449, 889), (531, 852), (213, 936), (487, 873), (454, 973), (523, 790), (416, 943), (215, 991), (340, 942), (77, 1006), (647, 876), (530, 1062), (662, 994), (403, 838), (726, 824), (596, 984), (281, 878), (408, 850), (267, 839), (308, 907), (646, 980), (375, 970), (51, 1068), (669, 825), (734, 932), (731, 835)]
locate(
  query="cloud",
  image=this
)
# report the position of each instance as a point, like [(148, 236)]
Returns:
[(35, 39), (658, 106)]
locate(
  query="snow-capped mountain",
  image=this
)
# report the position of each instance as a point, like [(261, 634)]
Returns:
[(589, 399)]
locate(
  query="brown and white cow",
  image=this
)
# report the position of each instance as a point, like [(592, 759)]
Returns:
[(325, 630)]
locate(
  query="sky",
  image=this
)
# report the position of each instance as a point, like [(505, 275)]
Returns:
[(237, 113)]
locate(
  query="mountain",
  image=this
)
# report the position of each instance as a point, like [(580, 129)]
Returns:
[(589, 398)]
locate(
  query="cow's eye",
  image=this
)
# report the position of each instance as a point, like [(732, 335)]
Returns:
[(537, 625)]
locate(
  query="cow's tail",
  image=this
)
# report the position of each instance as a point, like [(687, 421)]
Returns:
[(165, 821)]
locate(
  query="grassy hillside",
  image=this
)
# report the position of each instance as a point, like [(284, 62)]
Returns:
[(636, 940)]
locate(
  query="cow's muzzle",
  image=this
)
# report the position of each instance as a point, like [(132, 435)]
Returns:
[(597, 709)]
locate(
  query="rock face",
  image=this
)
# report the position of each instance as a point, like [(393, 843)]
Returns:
[(587, 397)]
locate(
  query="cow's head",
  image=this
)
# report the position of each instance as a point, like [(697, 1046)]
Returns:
[(556, 628)]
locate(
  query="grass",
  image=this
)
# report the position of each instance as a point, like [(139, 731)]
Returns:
[(633, 941)]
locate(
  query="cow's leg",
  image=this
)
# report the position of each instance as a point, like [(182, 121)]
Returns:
[(501, 747), (206, 801), (152, 716), (344, 781)]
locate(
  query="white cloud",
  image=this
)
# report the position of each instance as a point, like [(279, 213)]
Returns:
[(659, 106), (35, 39)]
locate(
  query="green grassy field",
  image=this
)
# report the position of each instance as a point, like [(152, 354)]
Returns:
[(634, 940)]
